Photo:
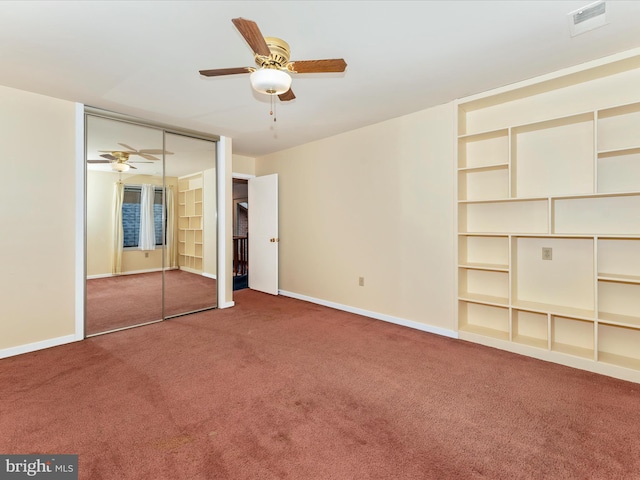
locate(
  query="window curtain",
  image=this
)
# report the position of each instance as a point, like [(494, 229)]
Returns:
[(118, 233), (147, 239), (171, 259)]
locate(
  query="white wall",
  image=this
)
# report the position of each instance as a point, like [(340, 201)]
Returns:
[(378, 203)]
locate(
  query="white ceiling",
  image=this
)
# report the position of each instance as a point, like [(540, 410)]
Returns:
[(142, 57)]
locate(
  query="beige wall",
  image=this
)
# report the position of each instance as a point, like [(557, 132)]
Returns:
[(377, 203), (37, 283), (100, 227), (244, 165)]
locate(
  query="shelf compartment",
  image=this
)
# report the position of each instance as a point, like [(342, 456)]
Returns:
[(619, 259), (189, 243), (530, 328), (554, 157), (619, 127), (619, 302), (484, 252), (183, 223), (619, 346), (190, 202), (483, 149), (484, 283), (486, 320), (515, 216), (563, 285), (619, 171), (573, 336), (484, 183), (597, 215), (195, 223)]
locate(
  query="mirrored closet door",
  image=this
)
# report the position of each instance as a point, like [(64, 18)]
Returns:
[(190, 268), (150, 226)]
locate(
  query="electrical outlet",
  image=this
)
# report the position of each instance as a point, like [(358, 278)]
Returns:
[(546, 253), (361, 281)]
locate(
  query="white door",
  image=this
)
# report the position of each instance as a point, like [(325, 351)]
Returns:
[(263, 233)]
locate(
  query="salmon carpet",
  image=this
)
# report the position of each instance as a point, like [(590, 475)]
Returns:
[(126, 300), (277, 388)]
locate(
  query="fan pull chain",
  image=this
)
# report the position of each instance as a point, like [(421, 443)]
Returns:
[(273, 107)]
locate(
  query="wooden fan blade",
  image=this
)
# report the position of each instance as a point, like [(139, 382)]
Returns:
[(251, 33), (127, 146), (217, 72), (98, 161), (131, 166), (286, 96), (318, 66), (148, 157), (108, 156), (155, 151)]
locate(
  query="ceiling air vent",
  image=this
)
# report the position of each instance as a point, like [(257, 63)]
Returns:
[(588, 17)]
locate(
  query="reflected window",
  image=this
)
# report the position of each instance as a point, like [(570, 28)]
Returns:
[(131, 216)]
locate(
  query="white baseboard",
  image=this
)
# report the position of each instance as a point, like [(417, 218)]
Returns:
[(132, 272), (378, 316), (226, 304), (209, 275), (32, 347), (100, 275)]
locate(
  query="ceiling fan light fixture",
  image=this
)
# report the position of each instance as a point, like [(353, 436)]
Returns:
[(120, 167), (270, 81)]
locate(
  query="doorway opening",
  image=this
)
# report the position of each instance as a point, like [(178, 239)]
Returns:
[(240, 234)]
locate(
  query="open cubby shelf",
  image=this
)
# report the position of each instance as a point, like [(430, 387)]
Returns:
[(553, 169)]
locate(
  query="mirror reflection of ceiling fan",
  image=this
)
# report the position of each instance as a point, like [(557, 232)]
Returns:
[(119, 159), (272, 77)]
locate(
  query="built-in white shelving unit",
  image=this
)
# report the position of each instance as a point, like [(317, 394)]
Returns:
[(553, 167)]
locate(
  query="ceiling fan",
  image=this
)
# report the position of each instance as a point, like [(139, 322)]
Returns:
[(272, 58), (119, 159)]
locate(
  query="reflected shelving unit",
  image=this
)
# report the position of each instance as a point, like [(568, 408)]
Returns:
[(190, 227)]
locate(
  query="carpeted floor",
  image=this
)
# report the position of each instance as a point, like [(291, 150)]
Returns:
[(276, 388)]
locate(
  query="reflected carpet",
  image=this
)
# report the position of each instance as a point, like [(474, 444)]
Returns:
[(126, 300)]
